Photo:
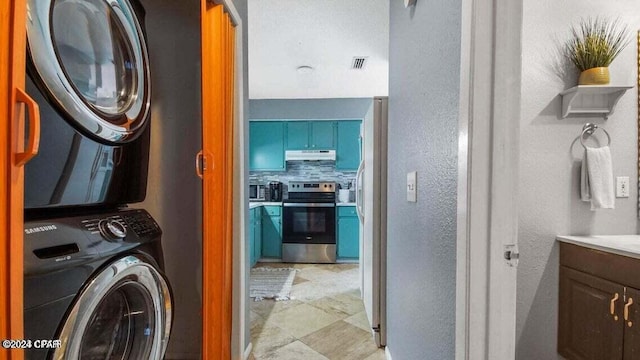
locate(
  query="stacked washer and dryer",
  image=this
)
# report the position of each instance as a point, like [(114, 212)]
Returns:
[(93, 266)]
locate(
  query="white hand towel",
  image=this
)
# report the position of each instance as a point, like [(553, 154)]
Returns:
[(585, 189), (599, 170)]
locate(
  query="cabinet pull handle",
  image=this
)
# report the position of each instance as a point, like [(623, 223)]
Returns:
[(613, 306), (199, 168), (31, 149), (626, 312)]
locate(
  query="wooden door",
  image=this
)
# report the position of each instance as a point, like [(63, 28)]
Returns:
[(218, 78), (632, 325), (590, 319), (17, 107)]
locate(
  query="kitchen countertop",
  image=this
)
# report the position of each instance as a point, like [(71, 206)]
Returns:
[(255, 204), (625, 245), (346, 204)]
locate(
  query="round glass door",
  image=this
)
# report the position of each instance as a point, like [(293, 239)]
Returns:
[(121, 325), (124, 313), (91, 58)]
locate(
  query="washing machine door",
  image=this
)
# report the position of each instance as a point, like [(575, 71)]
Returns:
[(90, 58), (125, 312)]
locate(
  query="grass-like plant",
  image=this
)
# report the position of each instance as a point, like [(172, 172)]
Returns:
[(596, 42)]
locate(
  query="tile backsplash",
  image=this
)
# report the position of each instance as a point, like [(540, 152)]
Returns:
[(304, 171)]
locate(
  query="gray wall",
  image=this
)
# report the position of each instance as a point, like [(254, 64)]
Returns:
[(354, 108), (423, 116), (549, 161), (174, 195)]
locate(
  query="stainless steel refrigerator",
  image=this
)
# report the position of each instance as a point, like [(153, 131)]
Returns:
[(371, 204)]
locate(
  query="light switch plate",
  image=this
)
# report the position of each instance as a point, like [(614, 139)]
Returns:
[(412, 190), (622, 186)]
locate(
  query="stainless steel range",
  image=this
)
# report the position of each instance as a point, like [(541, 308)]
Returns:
[(309, 223)]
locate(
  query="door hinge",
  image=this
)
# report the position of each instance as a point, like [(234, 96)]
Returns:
[(511, 255), (376, 329)]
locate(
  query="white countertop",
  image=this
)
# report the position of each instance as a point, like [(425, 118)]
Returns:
[(346, 204), (255, 204), (625, 245)]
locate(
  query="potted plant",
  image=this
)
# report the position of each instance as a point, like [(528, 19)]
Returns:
[(593, 46)]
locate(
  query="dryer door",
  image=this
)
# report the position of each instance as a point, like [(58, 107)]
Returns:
[(90, 58), (125, 312)]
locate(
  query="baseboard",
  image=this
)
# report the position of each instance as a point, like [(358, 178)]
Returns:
[(247, 351), (387, 353)]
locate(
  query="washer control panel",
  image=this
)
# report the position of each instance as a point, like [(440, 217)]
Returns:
[(140, 222), (116, 227)]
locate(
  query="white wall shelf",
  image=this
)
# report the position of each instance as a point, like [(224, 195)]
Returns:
[(591, 100)]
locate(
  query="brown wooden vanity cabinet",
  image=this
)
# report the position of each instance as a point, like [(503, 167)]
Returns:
[(599, 309)]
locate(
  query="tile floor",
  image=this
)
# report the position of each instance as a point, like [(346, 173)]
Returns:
[(324, 320)]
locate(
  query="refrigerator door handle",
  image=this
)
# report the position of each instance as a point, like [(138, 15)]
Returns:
[(359, 186)]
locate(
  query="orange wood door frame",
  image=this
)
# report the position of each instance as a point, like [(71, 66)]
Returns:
[(217, 173), (13, 155)]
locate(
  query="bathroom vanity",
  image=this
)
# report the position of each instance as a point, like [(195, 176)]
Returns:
[(599, 303)]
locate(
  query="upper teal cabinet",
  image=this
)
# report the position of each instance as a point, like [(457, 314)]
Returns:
[(322, 135), (311, 135), (266, 145), (348, 149), (297, 135)]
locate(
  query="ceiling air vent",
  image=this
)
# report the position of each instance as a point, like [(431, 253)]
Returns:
[(359, 62)]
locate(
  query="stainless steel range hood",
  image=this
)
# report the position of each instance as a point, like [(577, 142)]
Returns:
[(310, 155)]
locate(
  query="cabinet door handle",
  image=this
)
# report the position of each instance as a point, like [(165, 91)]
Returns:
[(31, 149), (613, 306), (626, 312), (200, 160)]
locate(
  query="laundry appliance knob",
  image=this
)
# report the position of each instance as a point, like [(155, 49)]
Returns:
[(112, 230)]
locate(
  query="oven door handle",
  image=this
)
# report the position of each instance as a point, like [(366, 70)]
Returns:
[(309, 205)]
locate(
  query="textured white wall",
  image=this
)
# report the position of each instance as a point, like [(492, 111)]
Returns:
[(174, 195), (549, 162), (424, 69)]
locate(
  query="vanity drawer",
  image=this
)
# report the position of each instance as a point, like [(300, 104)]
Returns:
[(612, 267)]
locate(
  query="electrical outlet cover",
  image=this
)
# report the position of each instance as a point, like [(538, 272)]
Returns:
[(622, 186)]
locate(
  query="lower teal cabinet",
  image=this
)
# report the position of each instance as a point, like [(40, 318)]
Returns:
[(348, 233), (255, 235), (272, 232), (251, 239)]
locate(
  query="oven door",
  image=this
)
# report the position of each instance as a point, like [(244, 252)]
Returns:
[(309, 223)]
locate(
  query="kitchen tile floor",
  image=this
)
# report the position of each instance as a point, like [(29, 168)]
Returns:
[(324, 320)]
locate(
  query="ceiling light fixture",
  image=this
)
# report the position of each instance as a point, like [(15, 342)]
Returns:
[(304, 69), (408, 3)]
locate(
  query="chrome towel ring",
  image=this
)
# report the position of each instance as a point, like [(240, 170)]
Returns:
[(589, 129)]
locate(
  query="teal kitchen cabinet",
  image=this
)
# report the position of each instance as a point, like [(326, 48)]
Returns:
[(310, 135), (348, 149), (322, 135), (251, 241), (272, 232), (255, 235), (348, 233), (266, 145), (297, 135)]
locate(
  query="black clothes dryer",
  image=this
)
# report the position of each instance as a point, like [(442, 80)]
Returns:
[(96, 284), (88, 70)]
